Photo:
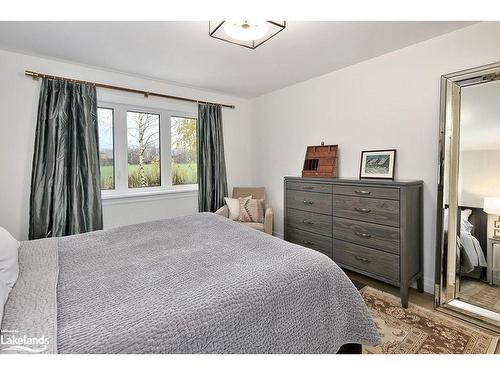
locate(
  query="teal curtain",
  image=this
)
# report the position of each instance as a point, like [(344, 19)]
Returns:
[(65, 182), (212, 180)]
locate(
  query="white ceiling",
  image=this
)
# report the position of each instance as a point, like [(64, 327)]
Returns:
[(182, 52)]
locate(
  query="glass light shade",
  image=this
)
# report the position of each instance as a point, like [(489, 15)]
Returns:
[(246, 30), (248, 34), (492, 205)]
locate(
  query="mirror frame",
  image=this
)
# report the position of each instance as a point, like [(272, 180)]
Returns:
[(447, 258)]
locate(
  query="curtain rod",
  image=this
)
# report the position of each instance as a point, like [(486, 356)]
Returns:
[(36, 76)]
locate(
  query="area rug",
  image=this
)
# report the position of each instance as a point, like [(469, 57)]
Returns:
[(416, 330), (480, 293)]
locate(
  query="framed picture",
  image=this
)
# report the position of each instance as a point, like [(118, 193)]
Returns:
[(377, 164), (497, 224)]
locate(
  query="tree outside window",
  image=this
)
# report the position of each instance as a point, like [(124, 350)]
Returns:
[(143, 149), (183, 142)]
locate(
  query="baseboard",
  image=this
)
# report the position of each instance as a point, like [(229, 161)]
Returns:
[(428, 285), (279, 235)]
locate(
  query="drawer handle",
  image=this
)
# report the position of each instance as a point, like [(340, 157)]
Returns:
[(364, 210), (308, 187), (305, 242), (308, 222), (363, 235), (307, 202), (362, 192), (361, 259)]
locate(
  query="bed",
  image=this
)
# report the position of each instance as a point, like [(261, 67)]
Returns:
[(471, 240), (193, 284), (473, 224)]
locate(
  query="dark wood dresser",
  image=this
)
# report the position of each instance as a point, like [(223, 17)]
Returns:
[(373, 227)]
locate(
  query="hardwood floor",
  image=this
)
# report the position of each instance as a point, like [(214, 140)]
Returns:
[(424, 300)]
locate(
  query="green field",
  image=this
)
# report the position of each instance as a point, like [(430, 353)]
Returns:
[(181, 174), (184, 174), (106, 177)]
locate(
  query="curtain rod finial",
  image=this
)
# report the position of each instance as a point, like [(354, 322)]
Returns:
[(32, 74)]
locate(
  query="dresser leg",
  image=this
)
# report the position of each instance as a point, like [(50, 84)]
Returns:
[(420, 284), (403, 291)]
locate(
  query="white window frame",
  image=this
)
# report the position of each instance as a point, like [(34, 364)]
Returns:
[(120, 146)]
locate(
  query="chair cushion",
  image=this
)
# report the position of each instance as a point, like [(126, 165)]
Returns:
[(251, 210), (233, 205), (258, 226)]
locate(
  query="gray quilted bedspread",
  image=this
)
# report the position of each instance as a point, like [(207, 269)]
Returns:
[(31, 309), (202, 284)]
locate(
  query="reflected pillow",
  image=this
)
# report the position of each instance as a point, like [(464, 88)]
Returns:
[(466, 214), (465, 225)]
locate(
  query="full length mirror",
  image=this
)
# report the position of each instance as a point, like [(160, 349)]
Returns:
[(468, 259), (479, 195)]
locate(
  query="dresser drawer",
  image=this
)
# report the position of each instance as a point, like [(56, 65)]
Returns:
[(367, 191), (372, 235), (362, 258), (310, 221), (374, 231), (313, 241), (306, 186), (382, 211), (307, 201)]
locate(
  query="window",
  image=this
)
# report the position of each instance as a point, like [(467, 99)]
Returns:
[(145, 150), (183, 150), (106, 149)]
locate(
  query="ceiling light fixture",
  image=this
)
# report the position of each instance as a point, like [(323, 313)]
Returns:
[(249, 34)]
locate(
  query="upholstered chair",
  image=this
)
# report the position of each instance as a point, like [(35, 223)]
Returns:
[(256, 193)]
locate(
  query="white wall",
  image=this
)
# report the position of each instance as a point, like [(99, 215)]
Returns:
[(479, 176), (391, 101), (18, 107)]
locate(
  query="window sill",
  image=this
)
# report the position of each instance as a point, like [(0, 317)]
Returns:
[(111, 198)]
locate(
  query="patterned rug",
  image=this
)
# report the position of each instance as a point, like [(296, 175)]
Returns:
[(416, 330), (480, 293)]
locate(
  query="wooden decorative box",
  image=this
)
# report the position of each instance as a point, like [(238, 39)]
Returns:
[(321, 161)]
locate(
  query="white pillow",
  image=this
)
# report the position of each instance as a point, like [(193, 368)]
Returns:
[(9, 266), (466, 214), (233, 204), (465, 224), (4, 293)]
